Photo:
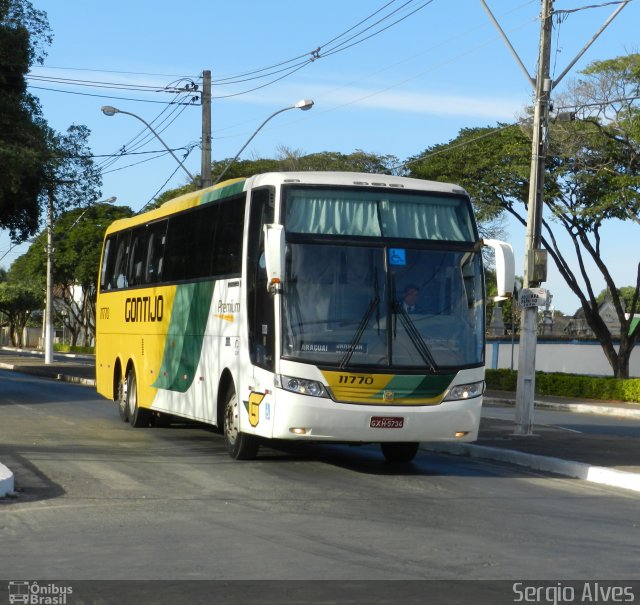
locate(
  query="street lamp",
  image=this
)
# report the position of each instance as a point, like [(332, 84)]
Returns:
[(107, 110), (48, 312), (109, 200), (304, 104)]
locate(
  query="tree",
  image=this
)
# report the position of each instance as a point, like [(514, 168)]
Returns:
[(24, 33), (72, 179), (626, 294), (293, 160), (357, 161), (592, 177), (17, 302)]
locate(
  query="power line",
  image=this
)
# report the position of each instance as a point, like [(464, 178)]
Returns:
[(338, 48), (494, 131), (86, 94), (285, 68), (309, 56), (317, 54), (158, 155), (447, 148), (153, 197), (111, 85), (109, 155), (143, 136), (588, 7), (113, 71)]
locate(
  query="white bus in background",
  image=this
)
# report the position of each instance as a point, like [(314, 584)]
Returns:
[(315, 306)]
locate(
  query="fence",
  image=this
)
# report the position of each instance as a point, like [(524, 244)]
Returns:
[(571, 357)]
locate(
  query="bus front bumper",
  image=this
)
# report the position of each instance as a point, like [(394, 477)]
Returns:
[(321, 419)]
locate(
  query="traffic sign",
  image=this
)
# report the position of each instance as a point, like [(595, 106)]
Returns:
[(533, 297)]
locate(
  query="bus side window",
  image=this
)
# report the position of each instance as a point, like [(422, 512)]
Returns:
[(119, 276), (227, 247), (137, 254), (107, 263), (155, 253)]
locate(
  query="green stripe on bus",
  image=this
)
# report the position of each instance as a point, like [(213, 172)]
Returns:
[(222, 192), (418, 387), (185, 335)]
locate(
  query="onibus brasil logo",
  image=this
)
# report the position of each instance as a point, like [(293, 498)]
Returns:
[(35, 593)]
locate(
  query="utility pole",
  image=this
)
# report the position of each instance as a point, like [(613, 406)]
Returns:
[(205, 168), (48, 313), (535, 258)]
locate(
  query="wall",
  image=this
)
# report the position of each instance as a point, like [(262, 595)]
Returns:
[(571, 357)]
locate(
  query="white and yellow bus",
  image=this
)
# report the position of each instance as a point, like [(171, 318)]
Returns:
[(317, 306)]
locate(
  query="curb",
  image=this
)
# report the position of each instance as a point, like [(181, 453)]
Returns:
[(6, 481), (567, 468)]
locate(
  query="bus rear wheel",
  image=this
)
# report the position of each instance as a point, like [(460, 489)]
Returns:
[(399, 452), (240, 446), (138, 417)]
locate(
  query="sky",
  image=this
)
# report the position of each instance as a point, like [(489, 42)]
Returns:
[(387, 77)]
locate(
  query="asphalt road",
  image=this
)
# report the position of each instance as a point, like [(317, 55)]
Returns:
[(100, 500)]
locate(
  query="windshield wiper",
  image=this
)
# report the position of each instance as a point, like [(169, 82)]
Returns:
[(373, 304), (415, 337)]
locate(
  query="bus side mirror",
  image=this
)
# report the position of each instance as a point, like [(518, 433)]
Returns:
[(274, 256), (505, 267)]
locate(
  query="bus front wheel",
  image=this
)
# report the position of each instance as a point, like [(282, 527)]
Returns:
[(240, 446), (399, 452)]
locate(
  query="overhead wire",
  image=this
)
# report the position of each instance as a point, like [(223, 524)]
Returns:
[(158, 155), (153, 197), (87, 94), (349, 38), (143, 136), (94, 84), (280, 70), (344, 46), (566, 11), (309, 56), (115, 71), (317, 54), (499, 129)]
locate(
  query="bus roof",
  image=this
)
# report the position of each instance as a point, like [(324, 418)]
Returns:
[(363, 179), (233, 186)]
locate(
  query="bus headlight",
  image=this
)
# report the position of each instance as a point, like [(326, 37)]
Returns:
[(465, 391), (300, 385)]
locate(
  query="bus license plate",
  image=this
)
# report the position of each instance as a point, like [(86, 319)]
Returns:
[(386, 422)]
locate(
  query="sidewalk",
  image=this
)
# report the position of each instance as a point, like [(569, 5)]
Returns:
[(592, 456)]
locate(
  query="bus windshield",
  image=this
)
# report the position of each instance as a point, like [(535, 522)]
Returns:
[(378, 213), (374, 303)]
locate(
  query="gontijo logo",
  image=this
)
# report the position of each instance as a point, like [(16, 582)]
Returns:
[(38, 594), (144, 308)]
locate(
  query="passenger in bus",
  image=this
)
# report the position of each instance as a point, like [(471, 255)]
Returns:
[(410, 299)]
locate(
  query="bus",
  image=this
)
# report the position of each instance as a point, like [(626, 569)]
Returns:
[(276, 307)]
